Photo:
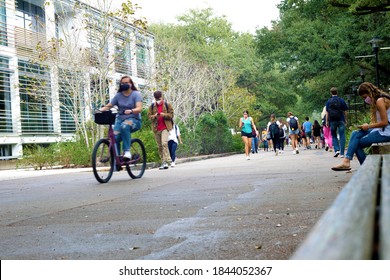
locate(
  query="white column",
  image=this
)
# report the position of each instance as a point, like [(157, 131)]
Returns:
[(50, 34)]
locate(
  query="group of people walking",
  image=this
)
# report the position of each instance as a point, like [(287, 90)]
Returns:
[(167, 134), (332, 128), (128, 100)]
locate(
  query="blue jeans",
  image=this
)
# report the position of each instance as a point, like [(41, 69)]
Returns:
[(361, 139), (255, 144), (123, 130), (172, 146), (340, 126)]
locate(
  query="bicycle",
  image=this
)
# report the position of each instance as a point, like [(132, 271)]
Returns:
[(105, 157)]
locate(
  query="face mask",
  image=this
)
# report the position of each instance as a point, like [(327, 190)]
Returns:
[(124, 87), (368, 100)]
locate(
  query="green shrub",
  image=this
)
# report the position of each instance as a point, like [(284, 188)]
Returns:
[(37, 157)]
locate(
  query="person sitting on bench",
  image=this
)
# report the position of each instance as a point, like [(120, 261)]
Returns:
[(378, 131)]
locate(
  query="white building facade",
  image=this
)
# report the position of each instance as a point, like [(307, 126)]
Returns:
[(55, 58)]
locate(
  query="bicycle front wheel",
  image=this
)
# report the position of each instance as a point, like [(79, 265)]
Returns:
[(102, 161), (137, 165)]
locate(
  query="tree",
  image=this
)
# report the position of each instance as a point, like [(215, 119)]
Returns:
[(314, 45), (194, 67), (84, 53)]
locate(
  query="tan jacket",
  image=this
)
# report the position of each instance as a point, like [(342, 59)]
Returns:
[(168, 115)]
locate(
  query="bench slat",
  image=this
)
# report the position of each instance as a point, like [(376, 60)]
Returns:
[(345, 230), (384, 220)]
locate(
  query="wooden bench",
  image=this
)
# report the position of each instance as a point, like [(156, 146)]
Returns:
[(357, 225), (380, 148)]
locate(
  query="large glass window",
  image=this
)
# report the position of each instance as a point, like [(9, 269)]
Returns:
[(30, 16), (143, 60), (122, 56), (5, 97), (35, 98), (72, 105), (3, 24), (97, 40)]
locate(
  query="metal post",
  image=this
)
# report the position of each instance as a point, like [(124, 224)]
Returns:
[(376, 65), (375, 47)]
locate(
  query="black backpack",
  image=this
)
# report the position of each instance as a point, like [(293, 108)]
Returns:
[(293, 123), (274, 130), (335, 109), (281, 132)]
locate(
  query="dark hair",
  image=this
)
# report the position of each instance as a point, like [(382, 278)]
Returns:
[(131, 81), (246, 111), (307, 118), (157, 94)]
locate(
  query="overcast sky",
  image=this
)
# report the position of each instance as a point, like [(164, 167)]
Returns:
[(244, 15)]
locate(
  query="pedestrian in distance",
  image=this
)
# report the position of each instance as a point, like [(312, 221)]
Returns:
[(174, 139), (293, 124), (273, 127), (255, 143), (317, 134), (307, 127), (377, 131), (161, 114), (326, 131), (282, 135), (247, 125), (336, 118), (128, 100)]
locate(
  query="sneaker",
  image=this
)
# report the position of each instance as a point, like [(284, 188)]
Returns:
[(164, 165), (336, 154), (297, 151), (173, 164), (276, 152), (342, 156), (327, 148), (248, 158), (127, 155), (294, 152)]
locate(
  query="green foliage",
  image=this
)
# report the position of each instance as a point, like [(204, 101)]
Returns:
[(70, 153), (37, 157), (314, 46), (215, 134)]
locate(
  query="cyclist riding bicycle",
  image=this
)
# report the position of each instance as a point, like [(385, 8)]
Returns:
[(129, 103)]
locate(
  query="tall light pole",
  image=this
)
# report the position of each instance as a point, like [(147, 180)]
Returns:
[(375, 47)]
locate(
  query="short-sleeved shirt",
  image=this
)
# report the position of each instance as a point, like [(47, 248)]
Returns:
[(127, 103), (307, 126)]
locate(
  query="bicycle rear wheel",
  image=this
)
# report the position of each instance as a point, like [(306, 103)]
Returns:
[(137, 165), (102, 161)]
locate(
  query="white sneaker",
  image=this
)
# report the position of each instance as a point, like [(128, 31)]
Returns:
[(127, 155), (173, 164), (248, 158), (164, 165)]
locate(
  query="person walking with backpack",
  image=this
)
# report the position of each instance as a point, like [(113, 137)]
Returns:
[(273, 130), (293, 124), (336, 118), (282, 135), (378, 131), (161, 114)]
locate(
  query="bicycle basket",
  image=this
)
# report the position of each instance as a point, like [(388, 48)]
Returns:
[(105, 117)]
